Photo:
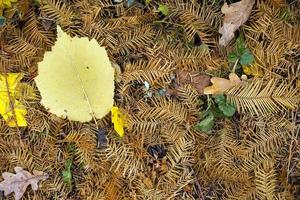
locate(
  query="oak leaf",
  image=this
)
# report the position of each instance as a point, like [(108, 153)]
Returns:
[(220, 85), (76, 79), (18, 182), (236, 14)]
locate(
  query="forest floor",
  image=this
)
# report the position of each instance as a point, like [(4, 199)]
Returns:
[(205, 102)]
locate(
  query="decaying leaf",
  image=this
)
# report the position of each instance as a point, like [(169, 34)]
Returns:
[(220, 85), (76, 79), (18, 182), (197, 80), (119, 121), (10, 91), (118, 72), (236, 14), (101, 138)]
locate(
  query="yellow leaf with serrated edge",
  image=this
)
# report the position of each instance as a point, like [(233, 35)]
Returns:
[(76, 79), (11, 88), (119, 121)]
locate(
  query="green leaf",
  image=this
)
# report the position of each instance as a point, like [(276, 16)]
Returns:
[(227, 108), (232, 57), (206, 124), (240, 44), (163, 9), (71, 148), (67, 177), (67, 173), (220, 99), (148, 2), (247, 58), (2, 21), (218, 114)]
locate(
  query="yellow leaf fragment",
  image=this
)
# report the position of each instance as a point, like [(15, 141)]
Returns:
[(13, 80), (6, 111), (220, 85), (119, 121), (76, 79), (8, 115), (253, 70), (5, 4)]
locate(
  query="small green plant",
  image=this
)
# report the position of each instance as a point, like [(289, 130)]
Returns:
[(163, 9), (67, 172), (217, 108), (242, 55)]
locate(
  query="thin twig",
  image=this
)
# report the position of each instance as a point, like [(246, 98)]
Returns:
[(86, 97), (290, 151), (199, 187)]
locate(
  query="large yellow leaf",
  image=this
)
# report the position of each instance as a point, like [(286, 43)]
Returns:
[(76, 79)]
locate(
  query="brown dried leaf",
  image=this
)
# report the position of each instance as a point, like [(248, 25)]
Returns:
[(196, 79), (220, 85), (18, 182), (200, 81), (236, 14)]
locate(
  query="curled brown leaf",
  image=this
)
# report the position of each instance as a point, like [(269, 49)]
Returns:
[(236, 14)]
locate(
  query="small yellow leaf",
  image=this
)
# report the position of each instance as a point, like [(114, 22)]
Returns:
[(5, 4), (253, 70), (6, 111), (118, 118), (220, 85)]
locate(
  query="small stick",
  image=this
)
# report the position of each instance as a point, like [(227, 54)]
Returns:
[(290, 152)]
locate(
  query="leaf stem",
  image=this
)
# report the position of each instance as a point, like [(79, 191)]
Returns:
[(235, 64), (86, 97)]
